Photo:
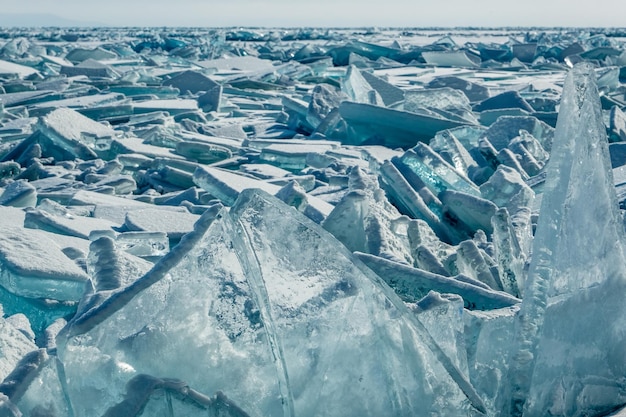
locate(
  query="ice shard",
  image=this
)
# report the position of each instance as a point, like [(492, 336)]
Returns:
[(365, 221), (568, 332), (262, 324)]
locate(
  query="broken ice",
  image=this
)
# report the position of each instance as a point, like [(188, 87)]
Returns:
[(305, 222)]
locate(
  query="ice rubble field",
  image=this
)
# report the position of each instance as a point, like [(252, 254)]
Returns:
[(239, 222)]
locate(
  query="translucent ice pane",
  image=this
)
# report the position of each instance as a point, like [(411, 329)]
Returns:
[(566, 333), (436, 173), (303, 295), (233, 301), (194, 311)]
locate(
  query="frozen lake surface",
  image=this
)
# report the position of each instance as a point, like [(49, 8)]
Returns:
[(312, 222)]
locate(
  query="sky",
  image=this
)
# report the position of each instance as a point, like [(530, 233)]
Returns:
[(331, 13)]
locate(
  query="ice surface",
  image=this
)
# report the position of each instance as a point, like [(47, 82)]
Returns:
[(32, 265), (427, 153), (13, 346)]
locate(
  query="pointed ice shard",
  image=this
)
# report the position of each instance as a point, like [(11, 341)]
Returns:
[(568, 333), (412, 284), (233, 300), (365, 221), (358, 89)]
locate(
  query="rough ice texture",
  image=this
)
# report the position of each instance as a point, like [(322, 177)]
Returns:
[(232, 300), (13, 346), (32, 265), (564, 366)]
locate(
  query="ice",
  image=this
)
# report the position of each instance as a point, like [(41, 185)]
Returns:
[(73, 134), (258, 359), (617, 125), (147, 394), (143, 244), (427, 155), (475, 92), (19, 194), (434, 171), (506, 128), (10, 68), (35, 386), (375, 125), (364, 221), (227, 185), (77, 226), (32, 265), (91, 68), (569, 268), (473, 212), (506, 100), (446, 101), (356, 87), (13, 346), (462, 59), (412, 284), (174, 224)]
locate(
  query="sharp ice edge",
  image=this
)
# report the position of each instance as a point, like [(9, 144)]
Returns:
[(568, 261)]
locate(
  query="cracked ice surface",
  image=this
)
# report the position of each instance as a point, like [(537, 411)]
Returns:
[(306, 222)]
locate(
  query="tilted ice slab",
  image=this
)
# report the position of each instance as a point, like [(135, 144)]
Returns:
[(33, 266), (247, 303), (569, 359)]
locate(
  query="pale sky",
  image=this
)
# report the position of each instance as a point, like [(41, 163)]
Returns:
[(329, 13)]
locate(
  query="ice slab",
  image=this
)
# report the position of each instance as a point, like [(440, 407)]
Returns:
[(434, 171), (365, 221), (192, 81), (34, 266), (375, 125), (238, 64), (449, 102), (90, 68), (77, 226), (474, 91), (227, 185), (460, 59), (78, 55), (412, 284), (74, 134), (13, 346), (11, 68), (508, 127), (174, 224), (505, 100), (113, 208), (19, 193)]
